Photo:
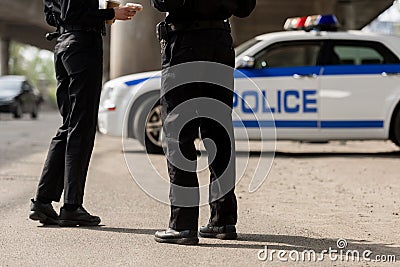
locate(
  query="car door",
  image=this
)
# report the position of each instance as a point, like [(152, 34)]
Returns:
[(357, 89), (287, 76)]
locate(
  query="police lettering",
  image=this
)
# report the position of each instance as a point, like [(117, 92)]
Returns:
[(286, 101)]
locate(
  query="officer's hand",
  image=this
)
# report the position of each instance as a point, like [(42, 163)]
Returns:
[(124, 12)]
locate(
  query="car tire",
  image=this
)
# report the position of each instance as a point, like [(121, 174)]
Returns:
[(35, 112), (18, 112), (147, 125), (395, 132)]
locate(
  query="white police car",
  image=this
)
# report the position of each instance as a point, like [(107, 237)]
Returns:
[(321, 84)]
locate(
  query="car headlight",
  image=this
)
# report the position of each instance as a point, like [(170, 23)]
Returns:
[(110, 95), (109, 105)]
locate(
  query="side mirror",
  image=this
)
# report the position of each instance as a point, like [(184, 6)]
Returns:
[(246, 62)]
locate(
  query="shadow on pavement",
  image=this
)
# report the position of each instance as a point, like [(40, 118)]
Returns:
[(301, 243), (102, 228), (277, 242)]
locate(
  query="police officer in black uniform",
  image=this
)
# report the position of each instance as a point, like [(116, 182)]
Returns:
[(194, 31), (78, 58)]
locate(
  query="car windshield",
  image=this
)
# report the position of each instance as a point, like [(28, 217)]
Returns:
[(7, 87), (246, 45)]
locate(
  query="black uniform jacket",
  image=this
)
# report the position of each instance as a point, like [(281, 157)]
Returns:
[(189, 10), (76, 12)]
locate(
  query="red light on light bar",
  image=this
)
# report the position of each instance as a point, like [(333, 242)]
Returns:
[(295, 23), (301, 22)]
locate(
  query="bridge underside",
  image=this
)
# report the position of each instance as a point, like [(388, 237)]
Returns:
[(134, 47), (27, 34)]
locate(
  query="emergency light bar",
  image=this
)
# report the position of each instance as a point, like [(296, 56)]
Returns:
[(315, 22)]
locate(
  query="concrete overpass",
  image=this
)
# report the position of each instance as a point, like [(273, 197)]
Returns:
[(133, 46), (22, 21)]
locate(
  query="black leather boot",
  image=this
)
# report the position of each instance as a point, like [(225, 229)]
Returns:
[(78, 217), (185, 237), (44, 213), (227, 232)]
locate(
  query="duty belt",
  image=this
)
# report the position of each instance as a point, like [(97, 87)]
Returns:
[(199, 25), (73, 28), (79, 28)]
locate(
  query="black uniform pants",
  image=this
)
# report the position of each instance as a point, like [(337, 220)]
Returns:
[(78, 65), (201, 45)]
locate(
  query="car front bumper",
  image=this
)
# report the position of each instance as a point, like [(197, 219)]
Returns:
[(7, 107), (109, 122)]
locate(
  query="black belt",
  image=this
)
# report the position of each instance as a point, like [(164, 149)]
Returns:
[(78, 28), (200, 25)]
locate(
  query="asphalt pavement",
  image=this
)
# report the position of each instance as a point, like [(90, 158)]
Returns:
[(314, 195)]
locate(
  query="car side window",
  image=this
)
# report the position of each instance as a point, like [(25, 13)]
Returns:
[(289, 54), (360, 53)]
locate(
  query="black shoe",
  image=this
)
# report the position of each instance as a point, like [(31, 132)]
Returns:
[(227, 232), (185, 237), (44, 213), (77, 217)]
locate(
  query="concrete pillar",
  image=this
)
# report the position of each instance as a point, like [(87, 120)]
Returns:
[(346, 13), (134, 46), (324, 7), (4, 56), (349, 12)]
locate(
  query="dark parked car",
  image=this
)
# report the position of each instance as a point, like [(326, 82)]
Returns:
[(18, 96)]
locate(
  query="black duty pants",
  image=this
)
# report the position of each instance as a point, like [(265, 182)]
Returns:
[(78, 65), (201, 45)]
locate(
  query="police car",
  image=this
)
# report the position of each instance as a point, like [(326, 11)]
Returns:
[(319, 84)]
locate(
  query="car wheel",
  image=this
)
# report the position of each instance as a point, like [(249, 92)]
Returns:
[(18, 112), (35, 111), (148, 125), (153, 132), (395, 133)]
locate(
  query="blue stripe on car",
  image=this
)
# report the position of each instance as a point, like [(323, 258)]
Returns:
[(275, 72), (361, 69), (138, 81), (325, 70), (307, 124), (307, 70), (352, 124)]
